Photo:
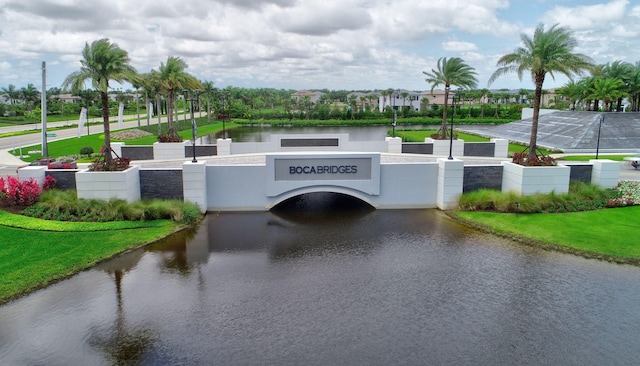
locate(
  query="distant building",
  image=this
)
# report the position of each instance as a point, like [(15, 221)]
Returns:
[(68, 98), (395, 98), (314, 96)]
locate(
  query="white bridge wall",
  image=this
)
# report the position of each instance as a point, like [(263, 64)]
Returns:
[(245, 188)]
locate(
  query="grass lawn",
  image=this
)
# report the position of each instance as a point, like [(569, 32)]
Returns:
[(72, 146), (590, 157), (420, 135), (35, 253), (610, 233)]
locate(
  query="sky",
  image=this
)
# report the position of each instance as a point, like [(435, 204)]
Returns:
[(305, 44)]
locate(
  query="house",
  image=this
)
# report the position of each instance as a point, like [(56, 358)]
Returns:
[(400, 98), (300, 95), (68, 98)]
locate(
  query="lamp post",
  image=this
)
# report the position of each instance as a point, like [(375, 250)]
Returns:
[(453, 101), (395, 112), (194, 128), (223, 97), (599, 128)]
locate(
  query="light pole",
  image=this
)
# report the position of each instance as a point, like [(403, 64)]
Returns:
[(599, 128), (194, 128), (223, 97), (395, 112), (453, 111)]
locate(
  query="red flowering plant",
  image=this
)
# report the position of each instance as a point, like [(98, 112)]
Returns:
[(14, 192)]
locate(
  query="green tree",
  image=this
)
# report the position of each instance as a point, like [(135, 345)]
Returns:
[(453, 71), (622, 71), (607, 90), (172, 77), (548, 52), (102, 62)]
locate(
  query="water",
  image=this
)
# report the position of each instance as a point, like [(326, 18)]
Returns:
[(263, 133), (343, 285)]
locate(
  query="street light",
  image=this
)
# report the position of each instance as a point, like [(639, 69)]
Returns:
[(453, 111), (223, 98), (194, 128), (599, 128), (394, 95)]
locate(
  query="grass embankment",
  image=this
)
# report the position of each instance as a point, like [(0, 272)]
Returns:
[(611, 234), (35, 253), (593, 231)]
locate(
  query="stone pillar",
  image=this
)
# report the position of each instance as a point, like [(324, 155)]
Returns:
[(36, 173), (605, 173), (224, 147), (450, 179), (501, 148), (394, 145), (441, 147), (194, 183)]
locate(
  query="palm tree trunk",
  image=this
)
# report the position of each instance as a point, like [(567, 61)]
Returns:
[(443, 129), (171, 130), (533, 140), (105, 121)]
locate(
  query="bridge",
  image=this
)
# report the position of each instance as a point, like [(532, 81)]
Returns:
[(259, 176)]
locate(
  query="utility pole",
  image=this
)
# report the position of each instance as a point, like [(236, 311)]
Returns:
[(43, 103)]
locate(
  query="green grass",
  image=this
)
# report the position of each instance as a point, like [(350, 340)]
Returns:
[(35, 253), (420, 135), (590, 157), (609, 233), (72, 146)]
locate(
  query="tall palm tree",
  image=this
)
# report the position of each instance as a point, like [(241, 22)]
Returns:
[(549, 51), (453, 71), (102, 61), (172, 77)]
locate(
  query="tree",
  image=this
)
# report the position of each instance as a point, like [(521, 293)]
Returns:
[(171, 77), (622, 71), (102, 62), (608, 90), (208, 91), (453, 71), (548, 52)]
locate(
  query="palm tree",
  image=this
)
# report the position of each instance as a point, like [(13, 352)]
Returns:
[(549, 52), (102, 61), (208, 90), (171, 77), (453, 71), (608, 90), (622, 71), (634, 87)]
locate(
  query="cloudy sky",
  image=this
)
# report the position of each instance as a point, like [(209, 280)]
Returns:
[(305, 44)]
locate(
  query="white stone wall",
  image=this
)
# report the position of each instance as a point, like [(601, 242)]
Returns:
[(107, 185)]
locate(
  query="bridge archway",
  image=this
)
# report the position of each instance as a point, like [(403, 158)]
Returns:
[(318, 190)]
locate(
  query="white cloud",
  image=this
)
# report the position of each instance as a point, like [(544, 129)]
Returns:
[(337, 44)]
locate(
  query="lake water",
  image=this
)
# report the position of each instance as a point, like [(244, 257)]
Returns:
[(324, 281)]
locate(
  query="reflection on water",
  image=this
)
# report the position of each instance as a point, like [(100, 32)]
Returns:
[(338, 286)]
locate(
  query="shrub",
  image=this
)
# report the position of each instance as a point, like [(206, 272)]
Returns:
[(86, 150), (63, 205), (18, 193), (581, 197), (521, 158)]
